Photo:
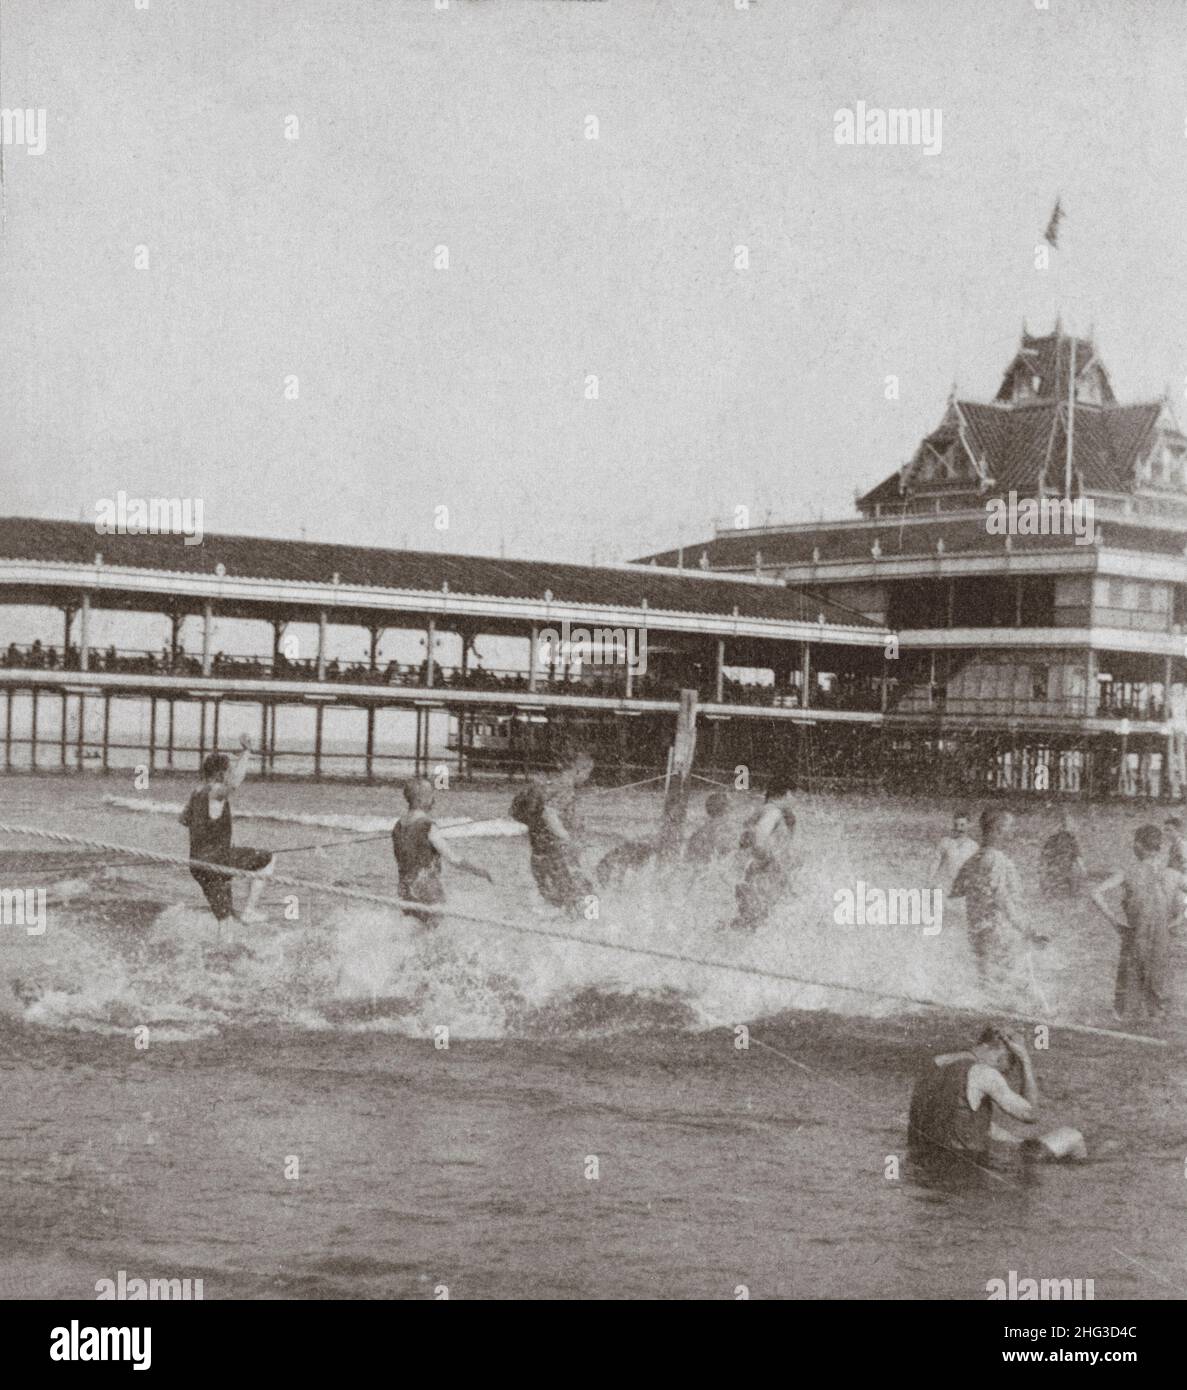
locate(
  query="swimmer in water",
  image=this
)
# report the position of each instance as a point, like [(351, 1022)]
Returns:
[(207, 816), (769, 840), (955, 850), (419, 847), (957, 1097), (554, 862)]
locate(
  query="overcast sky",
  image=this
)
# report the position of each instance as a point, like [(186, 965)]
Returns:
[(465, 387)]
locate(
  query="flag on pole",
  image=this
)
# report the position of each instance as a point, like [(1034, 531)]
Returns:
[(1051, 235)]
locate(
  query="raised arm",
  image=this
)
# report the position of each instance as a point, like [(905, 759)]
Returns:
[(238, 769)]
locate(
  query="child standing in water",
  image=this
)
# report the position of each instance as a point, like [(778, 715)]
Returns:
[(1151, 902), (419, 847)]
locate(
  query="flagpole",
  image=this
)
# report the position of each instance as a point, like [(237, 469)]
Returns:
[(1071, 420)]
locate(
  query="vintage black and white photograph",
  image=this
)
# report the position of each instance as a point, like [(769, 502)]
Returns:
[(593, 656)]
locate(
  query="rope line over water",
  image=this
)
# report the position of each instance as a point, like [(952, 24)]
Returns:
[(576, 938)]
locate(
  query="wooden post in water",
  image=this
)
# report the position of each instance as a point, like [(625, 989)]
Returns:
[(680, 771)]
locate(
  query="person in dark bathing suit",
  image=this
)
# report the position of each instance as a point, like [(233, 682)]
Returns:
[(554, 862), (207, 817), (419, 847), (952, 1105)]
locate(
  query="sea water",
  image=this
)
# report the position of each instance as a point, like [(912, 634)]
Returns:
[(343, 1104)]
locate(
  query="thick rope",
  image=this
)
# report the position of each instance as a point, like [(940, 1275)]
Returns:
[(387, 900)]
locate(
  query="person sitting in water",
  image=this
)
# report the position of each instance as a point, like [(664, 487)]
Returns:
[(955, 851), (554, 862), (953, 1105), (769, 842), (1151, 905), (419, 847), (207, 816)]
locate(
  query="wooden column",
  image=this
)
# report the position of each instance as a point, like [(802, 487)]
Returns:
[(430, 644), (62, 732), (719, 679), (152, 733), (84, 634), (207, 624), (169, 750), (201, 731), (532, 667), (8, 728), (321, 646), (33, 733), (317, 729), (218, 705), (106, 728), (370, 740), (82, 720), (805, 674)]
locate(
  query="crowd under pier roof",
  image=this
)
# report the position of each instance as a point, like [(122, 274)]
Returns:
[(56, 562)]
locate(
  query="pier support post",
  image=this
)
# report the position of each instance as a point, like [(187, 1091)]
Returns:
[(152, 733), (317, 731), (80, 749), (430, 646), (169, 751), (84, 634), (33, 734), (106, 729), (370, 740), (201, 731), (805, 674), (218, 705), (719, 676), (62, 732), (321, 650)]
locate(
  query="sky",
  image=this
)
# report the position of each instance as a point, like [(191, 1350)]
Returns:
[(420, 387)]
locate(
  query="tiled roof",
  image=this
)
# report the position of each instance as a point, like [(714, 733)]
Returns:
[(72, 542), (1017, 443), (915, 537), (1050, 359)]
